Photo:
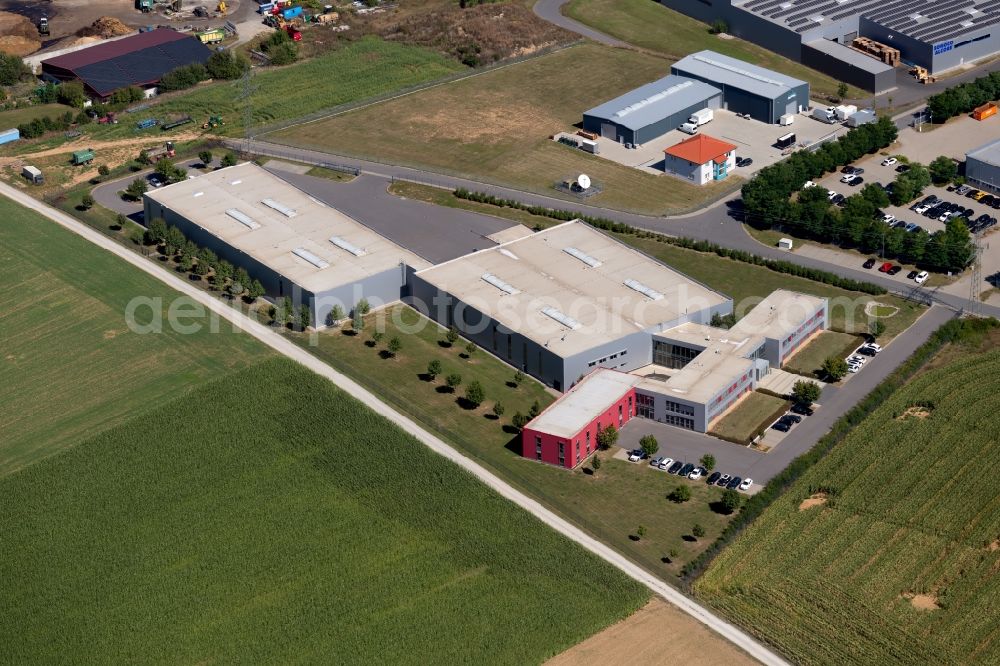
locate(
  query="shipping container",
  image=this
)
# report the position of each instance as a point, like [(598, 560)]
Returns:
[(33, 175), (985, 111), (10, 135), (786, 140)]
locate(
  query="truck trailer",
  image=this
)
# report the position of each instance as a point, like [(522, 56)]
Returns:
[(700, 117)]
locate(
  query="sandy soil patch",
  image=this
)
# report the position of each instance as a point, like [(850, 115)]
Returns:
[(915, 412), (818, 499), (650, 637), (994, 546), (924, 602), (872, 309)]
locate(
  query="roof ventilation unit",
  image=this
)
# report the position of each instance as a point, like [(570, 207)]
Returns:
[(236, 182), (582, 256), (280, 207), (242, 218), (652, 294), (303, 253), (566, 321), (500, 284), (347, 247), (507, 253)]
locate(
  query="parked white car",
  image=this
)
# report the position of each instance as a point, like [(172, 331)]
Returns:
[(873, 346), (695, 474), (922, 208), (636, 456), (745, 486), (848, 178), (808, 184), (889, 161), (853, 367), (921, 277), (665, 463), (830, 194), (888, 219)]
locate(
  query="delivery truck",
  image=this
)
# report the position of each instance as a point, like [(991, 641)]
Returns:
[(825, 114), (700, 117)]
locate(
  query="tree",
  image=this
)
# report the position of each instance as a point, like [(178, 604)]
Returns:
[(697, 531), (640, 532), (708, 461), (805, 392), (305, 317), (226, 65), (680, 494), (535, 409), (336, 314), (942, 169), (174, 242), (394, 346), (498, 409), (595, 464), (606, 436), (13, 69), (434, 369), (136, 189), (454, 380), (719, 27), (186, 262), (470, 349), (730, 501), (121, 221), (202, 268), (876, 328), (362, 307), (452, 335), (835, 368), (377, 337), (357, 321), (474, 393), (72, 94), (518, 378), (206, 157), (156, 231), (283, 54), (842, 90), (87, 202), (229, 159), (241, 281), (103, 171), (519, 421), (648, 444), (255, 291)]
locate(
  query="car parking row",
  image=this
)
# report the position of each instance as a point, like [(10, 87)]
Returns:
[(791, 418), (860, 356), (692, 471)]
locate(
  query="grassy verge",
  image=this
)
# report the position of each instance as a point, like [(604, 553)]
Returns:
[(599, 504), (652, 26), (495, 127), (15, 117), (809, 359), (69, 336), (879, 572), (749, 417), (277, 506), (444, 197)]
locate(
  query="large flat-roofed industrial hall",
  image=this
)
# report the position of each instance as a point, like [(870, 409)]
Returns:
[(140, 60), (295, 245), (562, 301), (936, 35)]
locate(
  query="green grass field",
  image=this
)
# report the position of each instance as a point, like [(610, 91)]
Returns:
[(809, 359), (606, 505), (652, 26), (899, 566), (756, 410), (266, 517), (496, 126), (72, 367), (15, 117)]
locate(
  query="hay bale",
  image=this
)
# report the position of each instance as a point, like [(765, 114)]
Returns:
[(19, 46)]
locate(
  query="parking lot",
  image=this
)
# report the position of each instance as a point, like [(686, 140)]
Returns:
[(753, 139)]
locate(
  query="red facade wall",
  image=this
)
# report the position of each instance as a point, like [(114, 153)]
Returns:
[(530, 438)]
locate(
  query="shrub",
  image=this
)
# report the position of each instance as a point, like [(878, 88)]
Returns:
[(454, 380), (835, 368), (679, 494), (648, 444), (607, 437), (519, 421), (805, 392), (730, 501), (498, 409), (434, 369), (226, 65), (474, 393), (697, 531)]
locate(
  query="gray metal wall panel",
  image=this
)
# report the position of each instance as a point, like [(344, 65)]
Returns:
[(846, 72), (982, 174), (639, 350)]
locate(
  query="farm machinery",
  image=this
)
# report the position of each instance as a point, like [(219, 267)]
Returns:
[(161, 152), (921, 74), (213, 122)]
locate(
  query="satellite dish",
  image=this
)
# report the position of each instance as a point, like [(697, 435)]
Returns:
[(583, 181)]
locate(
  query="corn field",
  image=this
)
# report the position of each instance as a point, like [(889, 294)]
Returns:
[(911, 509)]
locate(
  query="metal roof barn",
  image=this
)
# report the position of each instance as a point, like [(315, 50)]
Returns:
[(139, 60), (651, 110)]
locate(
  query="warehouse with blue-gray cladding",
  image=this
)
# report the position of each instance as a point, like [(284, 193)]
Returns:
[(295, 245), (652, 110), (763, 94), (936, 35)]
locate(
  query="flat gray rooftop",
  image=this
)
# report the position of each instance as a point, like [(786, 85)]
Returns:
[(724, 70), (988, 153), (592, 396), (654, 101), (925, 20), (850, 56)]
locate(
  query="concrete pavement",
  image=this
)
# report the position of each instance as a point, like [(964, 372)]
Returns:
[(285, 346)]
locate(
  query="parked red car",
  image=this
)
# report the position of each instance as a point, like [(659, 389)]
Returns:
[(885, 268)]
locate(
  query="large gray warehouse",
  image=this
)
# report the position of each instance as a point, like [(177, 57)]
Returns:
[(982, 166), (652, 110), (746, 88), (562, 301), (935, 35), (295, 245)]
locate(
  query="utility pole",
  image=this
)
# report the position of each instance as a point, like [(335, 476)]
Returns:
[(247, 90), (975, 307)]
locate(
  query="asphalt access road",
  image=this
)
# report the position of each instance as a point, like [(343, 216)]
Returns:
[(835, 401), (719, 223)]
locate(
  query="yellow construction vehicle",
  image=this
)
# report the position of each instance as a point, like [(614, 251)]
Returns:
[(921, 74), (221, 8)]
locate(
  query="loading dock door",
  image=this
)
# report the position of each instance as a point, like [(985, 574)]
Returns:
[(609, 131), (715, 102), (791, 107)]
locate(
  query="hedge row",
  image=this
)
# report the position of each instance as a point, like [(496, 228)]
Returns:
[(778, 266), (964, 97), (955, 330)]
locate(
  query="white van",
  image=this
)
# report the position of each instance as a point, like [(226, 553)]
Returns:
[(689, 128)]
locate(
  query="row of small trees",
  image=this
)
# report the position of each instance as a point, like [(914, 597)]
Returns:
[(964, 97), (220, 65)]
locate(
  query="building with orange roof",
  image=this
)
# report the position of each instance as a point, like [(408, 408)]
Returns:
[(700, 159)]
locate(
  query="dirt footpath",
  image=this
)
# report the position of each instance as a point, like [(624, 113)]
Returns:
[(657, 634)]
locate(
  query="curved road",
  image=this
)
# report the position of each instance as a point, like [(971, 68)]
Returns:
[(551, 11), (285, 346)]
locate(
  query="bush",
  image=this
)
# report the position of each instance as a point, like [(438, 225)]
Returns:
[(730, 501), (834, 368), (805, 392), (183, 77), (607, 436), (519, 421), (453, 380), (474, 393), (964, 97), (12, 70), (226, 65), (649, 445), (72, 93), (229, 159), (719, 27), (434, 369), (679, 494)]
